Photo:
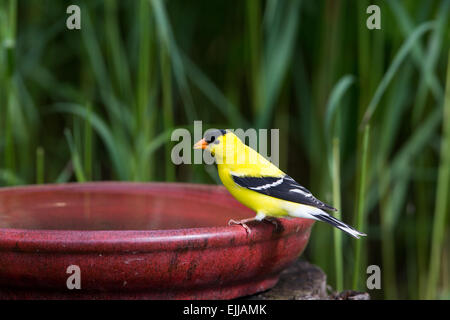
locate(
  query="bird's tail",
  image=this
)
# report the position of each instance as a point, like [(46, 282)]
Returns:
[(325, 217)]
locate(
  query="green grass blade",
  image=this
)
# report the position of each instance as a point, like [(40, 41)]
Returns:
[(406, 25), (9, 178), (335, 98), (430, 61), (105, 134), (277, 55), (88, 157), (40, 156), (442, 195), (411, 148), (65, 174), (253, 26), (79, 173), (218, 99), (168, 118), (166, 35), (116, 51), (361, 213), (399, 58), (338, 255)]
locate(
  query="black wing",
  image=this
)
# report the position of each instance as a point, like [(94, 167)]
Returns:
[(284, 188)]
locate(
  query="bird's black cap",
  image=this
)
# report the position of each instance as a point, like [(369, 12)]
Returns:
[(211, 135)]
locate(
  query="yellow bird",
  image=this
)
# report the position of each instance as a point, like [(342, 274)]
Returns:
[(260, 185)]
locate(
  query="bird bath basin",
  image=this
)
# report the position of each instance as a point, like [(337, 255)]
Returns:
[(138, 241)]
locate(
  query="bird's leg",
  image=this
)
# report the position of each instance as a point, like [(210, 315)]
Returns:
[(244, 222)]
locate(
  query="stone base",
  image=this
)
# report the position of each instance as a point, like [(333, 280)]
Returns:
[(305, 281)]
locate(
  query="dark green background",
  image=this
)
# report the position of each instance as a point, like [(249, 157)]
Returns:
[(100, 104)]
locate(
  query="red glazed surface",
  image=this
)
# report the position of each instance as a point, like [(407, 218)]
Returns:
[(138, 241)]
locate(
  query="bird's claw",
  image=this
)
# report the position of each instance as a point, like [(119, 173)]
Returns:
[(273, 221), (246, 227)]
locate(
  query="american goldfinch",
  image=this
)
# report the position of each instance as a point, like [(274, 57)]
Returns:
[(260, 185)]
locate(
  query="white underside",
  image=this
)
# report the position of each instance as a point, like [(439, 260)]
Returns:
[(308, 212), (297, 210), (303, 211)]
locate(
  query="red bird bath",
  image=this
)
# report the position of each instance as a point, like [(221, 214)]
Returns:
[(138, 241)]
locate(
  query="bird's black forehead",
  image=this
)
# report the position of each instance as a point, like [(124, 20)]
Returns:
[(213, 133)]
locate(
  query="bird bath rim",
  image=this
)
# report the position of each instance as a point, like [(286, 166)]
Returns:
[(32, 239)]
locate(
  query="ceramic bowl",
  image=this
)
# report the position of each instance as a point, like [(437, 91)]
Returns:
[(138, 241)]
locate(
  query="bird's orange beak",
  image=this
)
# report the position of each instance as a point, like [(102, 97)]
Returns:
[(202, 144)]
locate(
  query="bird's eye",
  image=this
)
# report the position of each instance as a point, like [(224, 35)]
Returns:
[(212, 139)]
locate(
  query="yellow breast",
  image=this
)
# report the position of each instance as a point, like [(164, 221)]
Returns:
[(252, 199)]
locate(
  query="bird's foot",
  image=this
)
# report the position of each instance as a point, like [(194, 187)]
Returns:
[(276, 222), (273, 221), (243, 223)]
